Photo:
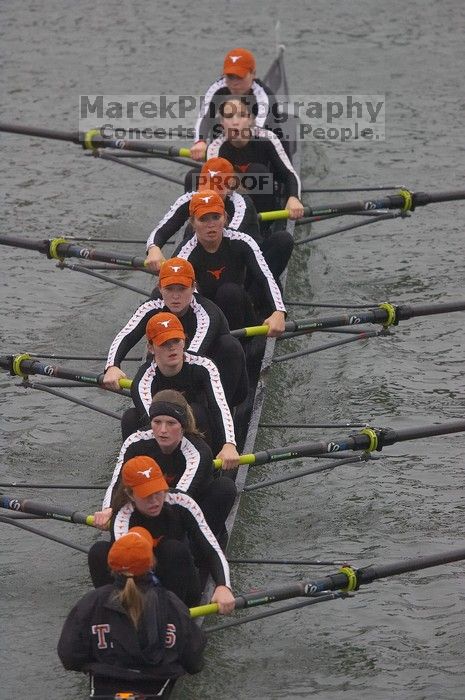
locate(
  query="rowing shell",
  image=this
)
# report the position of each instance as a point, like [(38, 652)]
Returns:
[(247, 416)]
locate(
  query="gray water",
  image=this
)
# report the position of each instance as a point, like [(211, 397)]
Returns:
[(401, 638)]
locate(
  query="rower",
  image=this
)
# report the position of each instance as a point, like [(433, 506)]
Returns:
[(180, 532), (221, 259), (186, 460), (204, 324), (216, 174), (195, 376), (131, 633), (238, 79), (255, 150)]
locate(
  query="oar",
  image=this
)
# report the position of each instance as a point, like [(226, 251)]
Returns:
[(46, 510), (41, 386), (59, 248), (367, 439), (94, 139), (386, 314), (23, 365), (346, 579), (88, 270), (136, 166), (41, 533), (150, 171), (321, 598), (373, 188), (404, 200), (77, 487)]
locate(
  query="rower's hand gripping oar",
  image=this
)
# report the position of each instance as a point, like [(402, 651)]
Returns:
[(404, 201), (46, 510), (23, 365), (369, 439), (347, 579), (386, 314)]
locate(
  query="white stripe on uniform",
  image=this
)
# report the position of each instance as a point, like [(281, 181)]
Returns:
[(170, 213), (134, 437)]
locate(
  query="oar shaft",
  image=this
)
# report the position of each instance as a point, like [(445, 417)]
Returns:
[(41, 533), (368, 439), (46, 510), (23, 365), (72, 136), (381, 314), (376, 571), (95, 139), (406, 201), (345, 579), (59, 248)]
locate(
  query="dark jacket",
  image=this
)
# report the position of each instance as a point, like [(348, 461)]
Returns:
[(99, 636)]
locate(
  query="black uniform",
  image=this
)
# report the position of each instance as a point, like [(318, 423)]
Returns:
[(99, 636), (181, 533), (240, 209), (207, 332), (265, 154), (266, 150), (207, 121), (189, 468), (199, 381), (221, 277)]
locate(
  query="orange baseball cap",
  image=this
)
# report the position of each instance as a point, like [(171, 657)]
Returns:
[(143, 475), (176, 271), (206, 202), (238, 62), (164, 326), (215, 174), (132, 553)]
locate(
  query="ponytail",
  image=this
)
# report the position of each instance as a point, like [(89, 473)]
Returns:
[(132, 600)]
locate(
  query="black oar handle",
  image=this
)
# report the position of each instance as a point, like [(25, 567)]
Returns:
[(46, 510), (387, 313), (405, 200), (58, 248), (370, 439), (94, 138), (23, 365)]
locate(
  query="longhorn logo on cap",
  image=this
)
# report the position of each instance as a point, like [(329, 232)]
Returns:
[(165, 323), (206, 199), (175, 268), (146, 473), (234, 58), (212, 173)]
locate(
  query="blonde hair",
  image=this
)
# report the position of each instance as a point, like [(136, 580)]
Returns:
[(132, 599)]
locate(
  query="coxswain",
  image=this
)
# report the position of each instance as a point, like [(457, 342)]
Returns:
[(195, 376), (185, 459), (222, 258), (204, 324), (238, 78), (131, 633), (178, 528), (216, 174)]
